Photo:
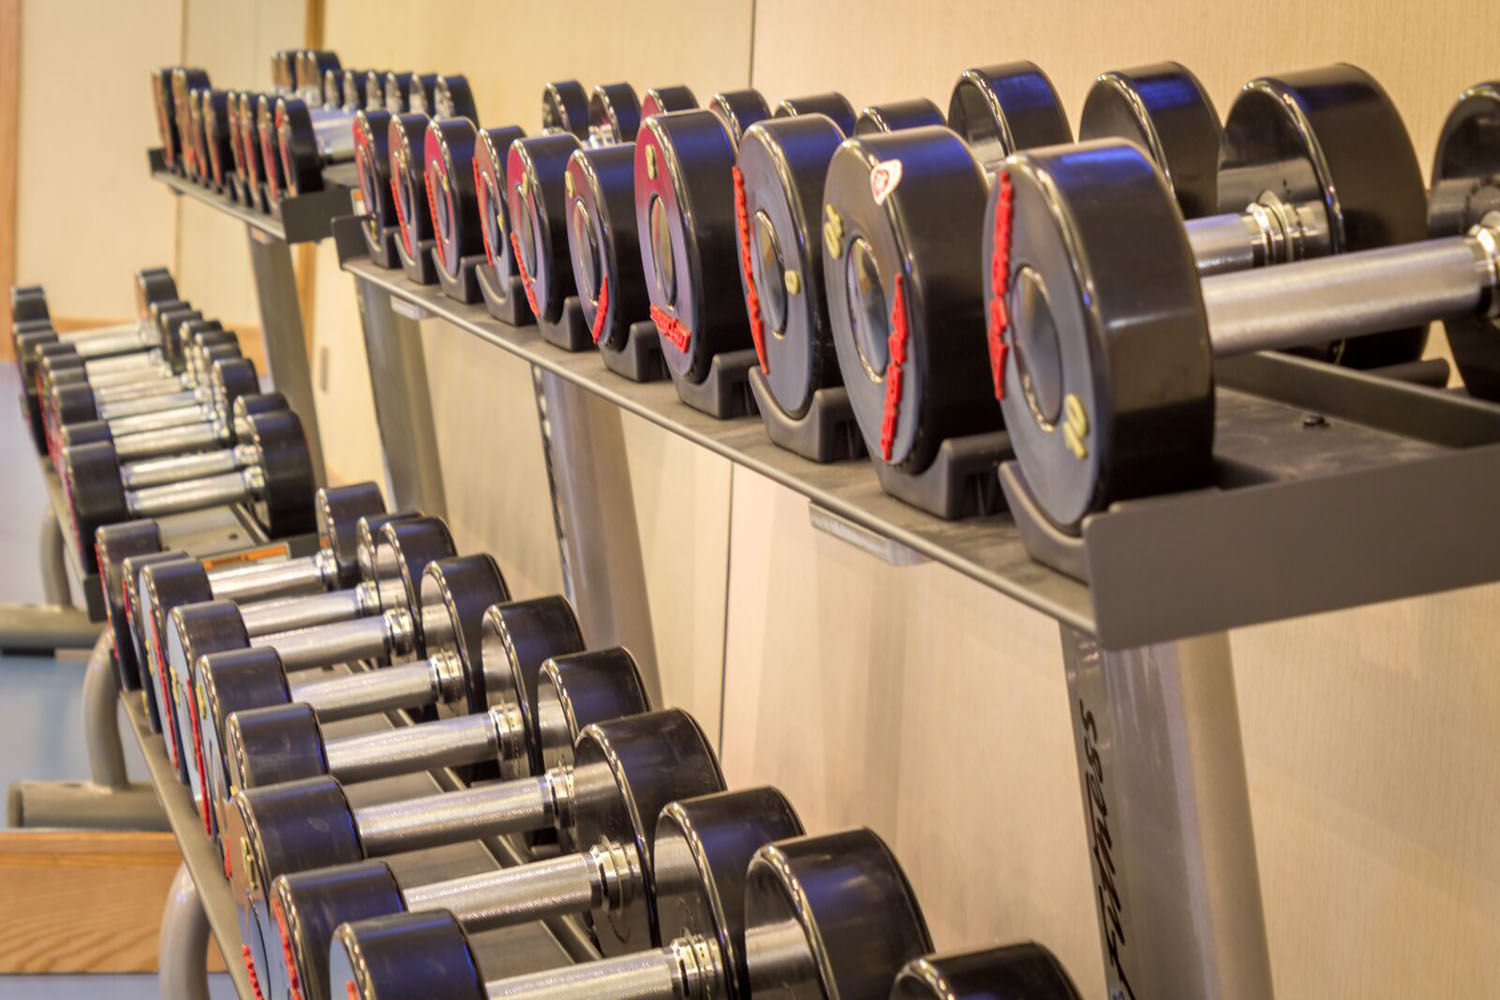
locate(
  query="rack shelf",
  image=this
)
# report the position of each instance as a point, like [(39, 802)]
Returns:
[(305, 219), (1385, 498)]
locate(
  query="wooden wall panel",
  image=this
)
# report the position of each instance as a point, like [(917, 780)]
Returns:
[(88, 215)]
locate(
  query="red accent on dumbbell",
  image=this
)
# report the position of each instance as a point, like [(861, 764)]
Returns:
[(401, 216), (672, 328), (250, 968), (893, 374), (1000, 285), (525, 274), (747, 265), (596, 329), (483, 191), (294, 984)]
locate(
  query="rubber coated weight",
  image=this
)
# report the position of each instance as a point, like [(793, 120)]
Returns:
[(372, 165), (297, 146), (1014, 972), (490, 158), (413, 956), (565, 108), (614, 113), (337, 513), (536, 200), (266, 140), (893, 116), (216, 133), (409, 92), (685, 224), (353, 88), (906, 336), (185, 79), (1466, 189), (518, 638), (660, 100), (375, 91), (738, 110), (453, 98), (406, 136), (1163, 109), (113, 545), (1107, 377), (603, 243), (833, 105), (333, 90), (1330, 137), (166, 124), (452, 198)]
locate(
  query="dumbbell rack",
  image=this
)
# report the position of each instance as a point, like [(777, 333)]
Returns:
[(1338, 489)]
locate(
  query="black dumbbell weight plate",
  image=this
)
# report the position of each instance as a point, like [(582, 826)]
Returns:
[(536, 201), (407, 135), (834, 105), (1331, 136), (490, 157), (453, 98), (410, 955), (684, 205), (614, 113), (999, 109), (894, 116), (301, 163), (285, 506), (1107, 376), (565, 108), (907, 338), (1163, 109), (738, 110), (1465, 190), (660, 100), (372, 165), (781, 167), (1015, 972), (603, 243), (451, 197)]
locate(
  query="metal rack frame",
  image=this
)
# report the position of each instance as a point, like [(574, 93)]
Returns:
[(1387, 494)]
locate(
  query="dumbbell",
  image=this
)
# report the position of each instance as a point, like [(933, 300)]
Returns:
[(454, 592), (684, 217), (1093, 414), (149, 588), (648, 760), (255, 573), (449, 681), (449, 175), (689, 851), (166, 118), (827, 916), (186, 79), (600, 213), (312, 66), (1010, 972), (409, 100), (539, 190), (275, 479), (488, 700), (905, 335), (1307, 164), (778, 189), (384, 622), (204, 416)]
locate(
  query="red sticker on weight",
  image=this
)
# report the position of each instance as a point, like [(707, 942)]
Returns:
[(883, 180)]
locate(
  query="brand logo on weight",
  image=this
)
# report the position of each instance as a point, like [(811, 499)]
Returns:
[(883, 180), (1101, 846)]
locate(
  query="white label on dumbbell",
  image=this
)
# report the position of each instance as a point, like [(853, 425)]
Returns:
[(883, 180)]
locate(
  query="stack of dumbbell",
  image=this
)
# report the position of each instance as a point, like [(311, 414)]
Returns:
[(690, 890), (160, 416)]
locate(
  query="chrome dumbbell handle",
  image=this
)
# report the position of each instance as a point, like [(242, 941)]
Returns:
[(605, 877), (169, 440), (1349, 295), (289, 614), (284, 577), (463, 739), (195, 494), (688, 968), (152, 373), (115, 409), (386, 635), (518, 806), (436, 680), (195, 465), (175, 416)]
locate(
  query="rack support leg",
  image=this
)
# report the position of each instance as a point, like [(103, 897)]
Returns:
[(182, 950), (1167, 807)]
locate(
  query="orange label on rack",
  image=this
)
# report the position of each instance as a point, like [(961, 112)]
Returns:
[(246, 556)]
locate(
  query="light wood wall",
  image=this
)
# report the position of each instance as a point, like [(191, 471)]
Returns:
[(911, 699)]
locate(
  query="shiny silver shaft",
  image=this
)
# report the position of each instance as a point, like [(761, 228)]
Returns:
[(606, 876), (105, 346), (463, 739), (685, 969), (389, 634), (1337, 297), (150, 373), (176, 416), (157, 471), (117, 362), (170, 440), (1222, 244), (113, 409), (94, 333), (452, 817), (191, 494), (410, 685), (281, 578), (142, 388), (288, 614)]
